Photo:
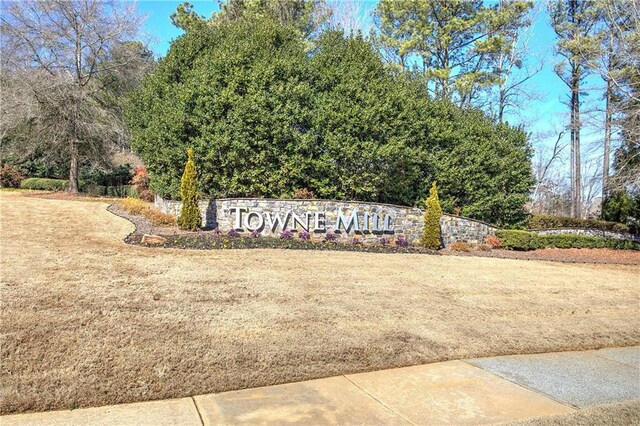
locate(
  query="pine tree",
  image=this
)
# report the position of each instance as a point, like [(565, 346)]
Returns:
[(432, 214), (190, 213)]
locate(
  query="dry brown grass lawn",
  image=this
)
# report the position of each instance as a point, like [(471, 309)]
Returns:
[(88, 320)]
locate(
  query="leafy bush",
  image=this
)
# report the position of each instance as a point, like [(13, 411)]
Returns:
[(138, 207), (432, 215), (234, 233), (134, 205), (190, 213), (460, 246), (156, 217), (45, 184), (304, 235), (117, 176), (554, 222), (523, 240), (121, 191), (484, 247), (303, 194), (10, 177), (330, 236), (94, 190), (286, 234), (493, 242), (255, 234), (623, 207), (140, 181), (402, 242)]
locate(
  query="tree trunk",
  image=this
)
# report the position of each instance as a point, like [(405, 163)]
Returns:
[(574, 138), (578, 166), (576, 199), (73, 168), (607, 127)]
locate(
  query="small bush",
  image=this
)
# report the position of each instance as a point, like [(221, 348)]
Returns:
[(286, 234), (156, 217), (95, 190), (523, 240), (484, 247), (134, 205), (138, 207), (304, 235), (432, 215), (384, 241), (10, 177), (255, 234), (540, 222), (140, 181), (44, 184), (402, 242), (460, 246), (234, 233), (330, 236), (493, 242), (120, 191), (303, 194), (356, 241)]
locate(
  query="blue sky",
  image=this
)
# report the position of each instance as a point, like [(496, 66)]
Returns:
[(543, 117)]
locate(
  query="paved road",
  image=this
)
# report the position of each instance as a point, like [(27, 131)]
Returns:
[(476, 391)]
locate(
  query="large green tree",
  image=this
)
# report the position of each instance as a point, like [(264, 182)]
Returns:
[(575, 23), (267, 117), (460, 47)]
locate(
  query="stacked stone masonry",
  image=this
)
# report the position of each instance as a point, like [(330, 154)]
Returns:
[(589, 233), (367, 221)]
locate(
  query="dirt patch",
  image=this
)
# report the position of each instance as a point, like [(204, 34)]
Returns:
[(88, 320)]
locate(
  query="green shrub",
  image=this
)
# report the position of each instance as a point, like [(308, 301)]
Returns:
[(555, 222), (623, 207), (45, 184), (432, 215), (94, 190), (189, 213), (121, 191), (523, 240)]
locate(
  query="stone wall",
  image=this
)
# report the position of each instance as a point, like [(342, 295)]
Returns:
[(589, 233), (458, 228), (367, 221)]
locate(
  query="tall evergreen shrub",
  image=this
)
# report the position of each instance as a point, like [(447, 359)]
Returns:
[(432, 215), (190, 213)]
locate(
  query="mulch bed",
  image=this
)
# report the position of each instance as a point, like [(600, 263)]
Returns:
[(209, 239)]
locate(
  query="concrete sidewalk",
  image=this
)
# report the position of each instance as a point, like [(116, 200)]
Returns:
[(477, 391)]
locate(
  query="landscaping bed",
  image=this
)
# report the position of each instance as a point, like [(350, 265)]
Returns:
[(210, 239)]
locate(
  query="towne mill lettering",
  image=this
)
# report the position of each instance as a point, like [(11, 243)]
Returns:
[(362, 222)]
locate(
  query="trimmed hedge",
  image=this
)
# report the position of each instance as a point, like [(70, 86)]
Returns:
[(539, 222), (45, 184), (121, 191), (523, 240)]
